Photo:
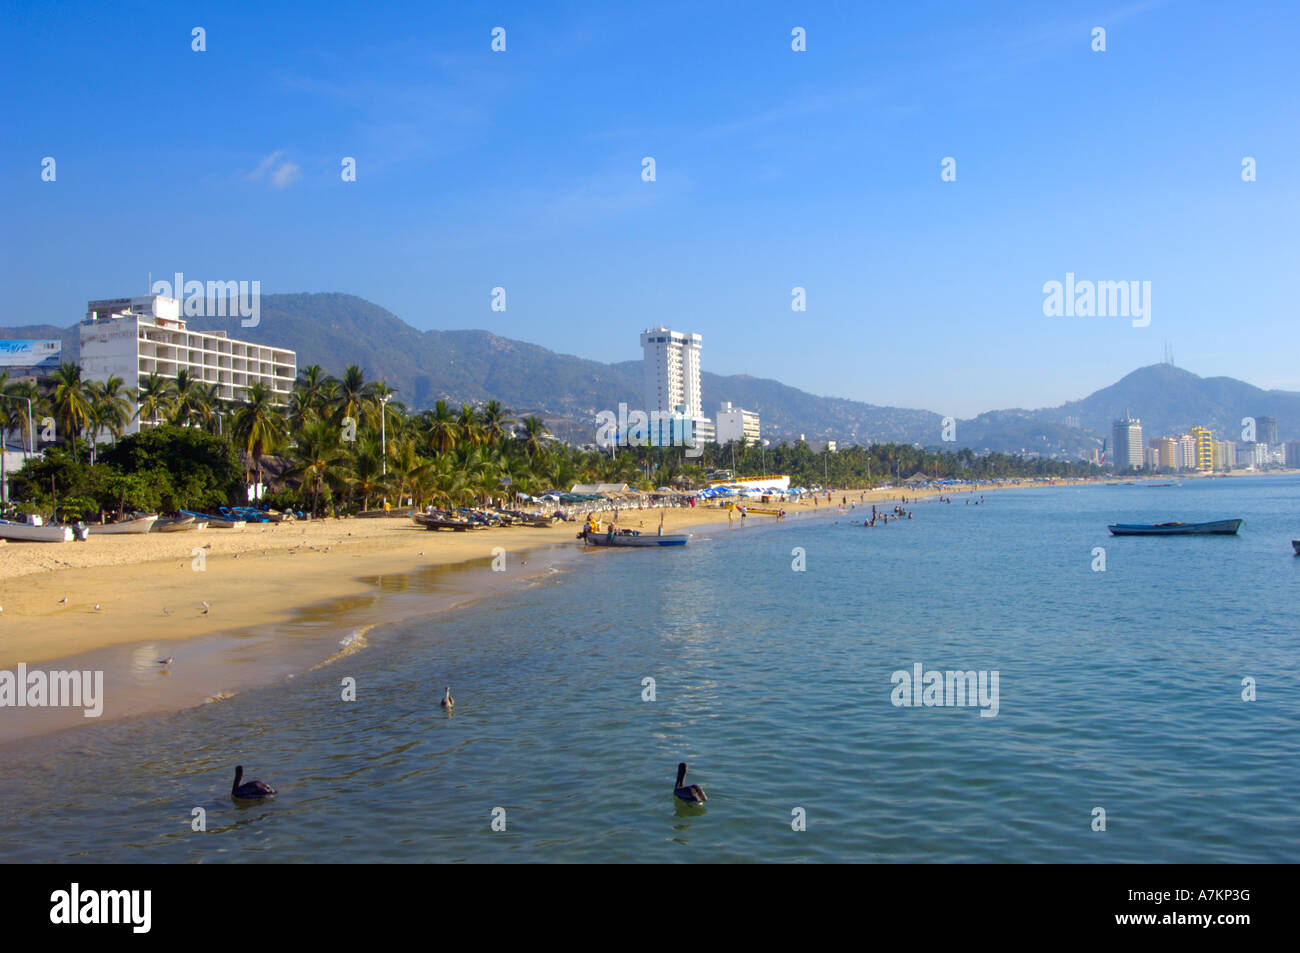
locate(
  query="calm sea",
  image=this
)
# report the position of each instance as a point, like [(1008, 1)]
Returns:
[(1118, 689)]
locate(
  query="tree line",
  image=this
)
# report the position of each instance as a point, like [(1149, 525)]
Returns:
[(343, 444)]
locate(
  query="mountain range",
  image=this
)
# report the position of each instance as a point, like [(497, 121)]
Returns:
[(335, 330)]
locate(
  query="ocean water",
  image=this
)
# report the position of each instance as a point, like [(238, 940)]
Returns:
[(1118, 689)]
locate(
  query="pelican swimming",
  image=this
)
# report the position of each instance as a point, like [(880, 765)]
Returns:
[(447, 701), (691, 793), (250, 791)]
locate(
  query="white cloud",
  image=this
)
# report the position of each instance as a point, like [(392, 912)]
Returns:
[(280, 176), (287, 174)]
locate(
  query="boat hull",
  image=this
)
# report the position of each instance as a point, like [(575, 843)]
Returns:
[(142, 525), (178, 526), (1295, 544), (216, 522), (26, 533), (1215, 528), (643, 541)]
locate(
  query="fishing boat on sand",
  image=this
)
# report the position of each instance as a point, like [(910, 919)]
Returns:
[(630, 537), (139, 524), (1214, 528), (35, 532), (216, 522), (180, 524)]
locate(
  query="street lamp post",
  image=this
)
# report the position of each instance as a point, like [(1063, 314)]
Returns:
[(383, 431)]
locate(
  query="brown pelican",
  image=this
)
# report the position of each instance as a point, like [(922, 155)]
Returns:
[(691, 793), (251, 790), (447, 701)]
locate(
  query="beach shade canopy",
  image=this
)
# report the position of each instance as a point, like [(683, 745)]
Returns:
[(917, 477)]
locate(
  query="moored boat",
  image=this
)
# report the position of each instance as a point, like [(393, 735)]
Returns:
[(1213, 528), (35, 532), (141, 524), (628, 537), (180, 524), (216, 522), (1295, 544)]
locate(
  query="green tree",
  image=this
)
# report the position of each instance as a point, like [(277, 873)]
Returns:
[(258, 428)]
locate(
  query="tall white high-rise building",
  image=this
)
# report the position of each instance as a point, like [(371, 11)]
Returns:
[(672, 377), (1127, 438)]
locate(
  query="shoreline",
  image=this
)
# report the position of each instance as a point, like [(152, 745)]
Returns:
[(281, 596)]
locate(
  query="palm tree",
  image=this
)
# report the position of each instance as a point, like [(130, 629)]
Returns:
[(443, 429), (367, 466), (258, 428), (496, 422), (471, 432), (110, 409), (312, 395), (71, 401), (449, 485), (534, 437), (27, 391), (353, 398), (187, 399), (154, 397), (210, 408), (317, 457), (412, 472)]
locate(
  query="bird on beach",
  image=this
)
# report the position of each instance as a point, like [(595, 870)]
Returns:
[(691, 793), (164, 661), (166, 611), (63, 601), (250, 790), (205, 612), (204, 603), (96, 606), (447, 702)]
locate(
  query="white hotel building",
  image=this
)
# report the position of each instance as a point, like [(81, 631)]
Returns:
[(671, 370), (735, 423), (134, 337)]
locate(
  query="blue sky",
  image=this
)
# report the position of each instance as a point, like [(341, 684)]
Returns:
[(775, 169)]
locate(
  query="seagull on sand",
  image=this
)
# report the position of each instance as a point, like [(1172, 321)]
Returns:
[(164, 661), (204, 603), (96, 606), (63, 601)]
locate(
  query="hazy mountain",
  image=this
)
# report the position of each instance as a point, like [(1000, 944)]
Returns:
[(335, 330), (1167, 399)]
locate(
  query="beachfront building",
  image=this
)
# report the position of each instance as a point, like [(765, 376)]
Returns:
[(1266, 430), (671, 375), (134, 337), (1169, 452), (735, 423), (1204, 440), (1292, 454), (1126, 435), (1225, 454), (1151, 457)]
